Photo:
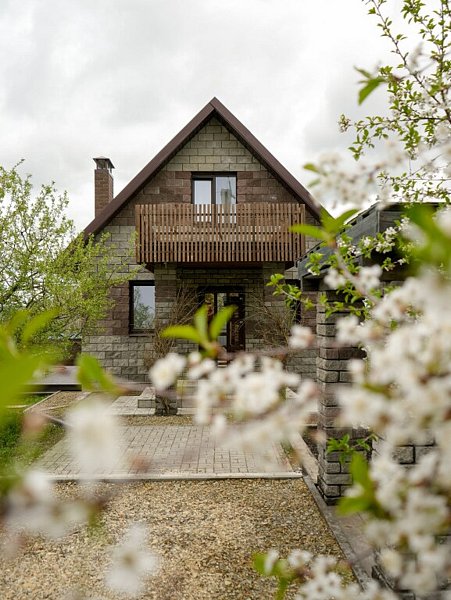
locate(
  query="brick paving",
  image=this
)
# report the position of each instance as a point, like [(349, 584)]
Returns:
[(127, 406), (172, 450)]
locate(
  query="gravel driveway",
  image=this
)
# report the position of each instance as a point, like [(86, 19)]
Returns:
[(204, 531)]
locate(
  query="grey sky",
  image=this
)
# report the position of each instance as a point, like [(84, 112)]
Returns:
[(121, 77)]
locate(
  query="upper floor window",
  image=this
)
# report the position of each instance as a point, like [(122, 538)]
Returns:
[(215, 188), (142, 306)]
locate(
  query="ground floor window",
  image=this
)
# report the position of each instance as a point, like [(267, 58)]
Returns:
[(142, 306)]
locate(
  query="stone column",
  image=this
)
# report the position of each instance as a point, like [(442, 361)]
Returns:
[(332, 373), (165, 296)]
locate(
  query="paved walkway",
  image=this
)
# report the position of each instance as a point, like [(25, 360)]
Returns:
[(182, 451), (127, 406), (170, 451)]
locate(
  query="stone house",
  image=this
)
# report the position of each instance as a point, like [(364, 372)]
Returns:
[(210, 215)]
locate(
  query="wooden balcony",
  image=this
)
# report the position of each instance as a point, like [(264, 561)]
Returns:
[(242, 233)]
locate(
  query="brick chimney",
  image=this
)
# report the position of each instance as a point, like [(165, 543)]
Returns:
[(103, 183)]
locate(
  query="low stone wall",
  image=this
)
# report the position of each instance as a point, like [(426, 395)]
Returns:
[(121, 355)]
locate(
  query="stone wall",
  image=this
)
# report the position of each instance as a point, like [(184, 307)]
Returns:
[(213, 149), (118, 351)]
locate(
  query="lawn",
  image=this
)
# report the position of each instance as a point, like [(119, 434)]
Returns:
[(25, 449)]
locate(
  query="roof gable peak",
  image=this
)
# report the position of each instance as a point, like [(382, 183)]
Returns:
[(213, 108)]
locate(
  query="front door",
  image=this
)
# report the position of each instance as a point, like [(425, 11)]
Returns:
[(232, 337)]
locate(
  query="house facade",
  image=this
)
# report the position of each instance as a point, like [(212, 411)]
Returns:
[(206, 221)]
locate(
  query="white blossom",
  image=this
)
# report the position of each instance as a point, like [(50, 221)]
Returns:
[(334, 279), (301, 337), (132, 563), (368, 277), (272, 556), (166, 370), (201, 369), (347, 330), (93, 437), (34, 509)]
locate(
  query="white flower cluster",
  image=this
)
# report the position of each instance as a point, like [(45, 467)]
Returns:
[(320, 579), (132, 563), (257, 394), (166, 370), (344, 184), (334, 279), (402, 392), (33, 509), (93, 437), (301, 337)]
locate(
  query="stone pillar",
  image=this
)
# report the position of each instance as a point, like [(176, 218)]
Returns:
[(165, 296), (306, 359), (332, 373)]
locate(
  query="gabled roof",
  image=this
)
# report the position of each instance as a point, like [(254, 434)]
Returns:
[(213, 109)]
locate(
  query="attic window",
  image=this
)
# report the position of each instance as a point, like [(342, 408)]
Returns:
[(214, 188), (142, 306)]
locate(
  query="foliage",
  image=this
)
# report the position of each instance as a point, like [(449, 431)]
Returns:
[(202, 332), (181, 312), (347, 447), (273, 321), (44, 266), (417, 84)]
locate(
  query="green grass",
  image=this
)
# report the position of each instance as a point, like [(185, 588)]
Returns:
[(10, 428), (16, 448)]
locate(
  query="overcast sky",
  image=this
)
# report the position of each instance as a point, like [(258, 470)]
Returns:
[(120, 78)]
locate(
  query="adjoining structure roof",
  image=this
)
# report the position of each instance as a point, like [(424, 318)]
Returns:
[(213, 109)]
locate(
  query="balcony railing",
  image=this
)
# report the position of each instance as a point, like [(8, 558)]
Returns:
[(247, 232)]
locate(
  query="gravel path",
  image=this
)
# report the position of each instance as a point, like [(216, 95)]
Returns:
[(205, 533), (57, 404)]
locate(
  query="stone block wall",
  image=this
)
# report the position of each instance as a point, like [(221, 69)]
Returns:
[(331, 371), (212, 149), (118, 351)]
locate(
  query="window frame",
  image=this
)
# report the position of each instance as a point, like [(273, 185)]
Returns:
[(131, 306), (211, 176)]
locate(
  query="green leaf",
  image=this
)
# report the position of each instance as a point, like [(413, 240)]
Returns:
[(363, 72), (15, 374), (344, 217), (184, 332), (275, 278), (436, 249), (350, 505), (334, 225), (369, 88), (201, 322), (220, 319), (359, 470), (37, 324), (91, 375), (310, 230), (311, 167), (259, 563)]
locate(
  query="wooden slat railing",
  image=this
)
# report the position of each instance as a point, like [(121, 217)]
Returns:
[(247, 232)]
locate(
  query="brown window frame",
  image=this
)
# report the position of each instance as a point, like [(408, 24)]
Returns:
[(212, 176), (131, 306)]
